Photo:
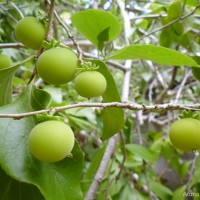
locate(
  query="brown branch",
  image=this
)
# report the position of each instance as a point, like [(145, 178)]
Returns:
[(71, 37), (129, 106), (50, 19), (47, 37), (11, 45), (170, 85)]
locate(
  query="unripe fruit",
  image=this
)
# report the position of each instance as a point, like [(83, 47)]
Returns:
[(5, 61), (30, 32), (185, 134), (90, 84), (57, 65), (51, 141)]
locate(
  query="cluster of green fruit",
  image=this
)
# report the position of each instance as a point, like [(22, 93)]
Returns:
[(58, 65), (52, 141), (184, 134)]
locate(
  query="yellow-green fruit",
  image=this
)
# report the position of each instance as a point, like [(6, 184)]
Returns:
[(57, 65), (30, 32), (90, 84), (5, 61), (51, 141), (184, 134)]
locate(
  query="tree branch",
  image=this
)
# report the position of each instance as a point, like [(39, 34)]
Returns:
[(129, 106), (102, 167)]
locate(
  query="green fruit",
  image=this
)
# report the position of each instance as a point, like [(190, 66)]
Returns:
[(57, 65), (30, 32), (184, 134), (5, 61), (90, 84), (51, 141)]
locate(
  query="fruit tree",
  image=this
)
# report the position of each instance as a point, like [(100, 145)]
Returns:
[(99, 100)]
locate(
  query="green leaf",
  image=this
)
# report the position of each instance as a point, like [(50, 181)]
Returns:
[(160, 190), (190, 2), (195, 177), (128, 193), (154, 53), (113, 118), (91, 171), (59, 180), (6, 77), (141, 152), (40, 99), (175, 10), (11, 189), (98, 26), (179, 193)]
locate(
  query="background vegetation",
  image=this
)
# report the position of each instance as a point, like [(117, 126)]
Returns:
[(148, 52)]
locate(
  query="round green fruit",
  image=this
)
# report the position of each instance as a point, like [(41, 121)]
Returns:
[(184, 134), (5, 61), (30, 32), (57, 65), (90, 84), (51, 141)]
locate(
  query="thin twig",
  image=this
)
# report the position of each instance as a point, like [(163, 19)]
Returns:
[(71, 37), (11, 45), (47, 36), (170, 85), (50, 20), (178, 94), (17, 9), (169, 24), (7, 13), (192, 169)]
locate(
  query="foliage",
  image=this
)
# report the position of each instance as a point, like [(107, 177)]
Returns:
[(155, 62)]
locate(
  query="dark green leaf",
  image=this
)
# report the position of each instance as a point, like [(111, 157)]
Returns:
[(179, 193), (98, 26), (59, 180), (40, 99), (11, 189), (113, 118), (154, 53), (129, 193), (91, 171), (195, 178), (160, 190), (6, 77)]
